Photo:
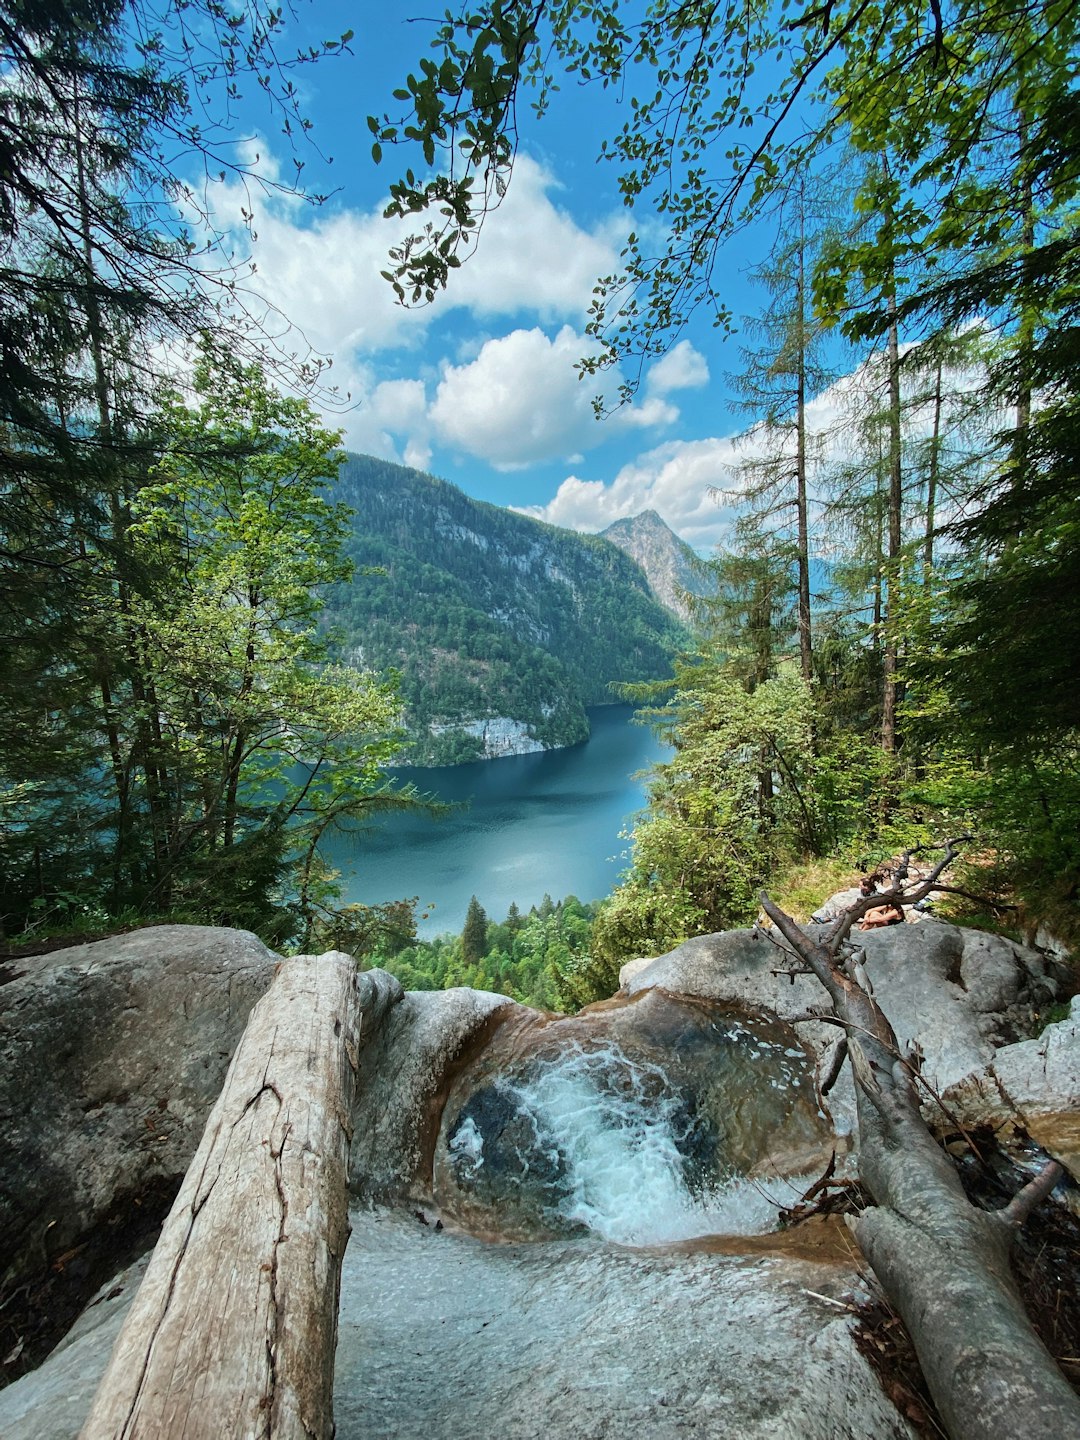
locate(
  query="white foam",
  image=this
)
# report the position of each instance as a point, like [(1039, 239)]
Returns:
[(467, 1145), (620, 1158)]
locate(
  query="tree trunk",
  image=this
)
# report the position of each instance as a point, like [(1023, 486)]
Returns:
[(890, 656), (942, 1262), (234, 1328), (802, 519)]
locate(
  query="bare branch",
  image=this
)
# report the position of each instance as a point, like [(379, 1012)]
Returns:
[(1036, 1190)]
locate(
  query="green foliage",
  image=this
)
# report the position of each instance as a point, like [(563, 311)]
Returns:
[(542, 959), (217, 742)]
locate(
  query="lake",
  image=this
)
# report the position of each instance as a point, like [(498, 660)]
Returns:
[(533, 824)]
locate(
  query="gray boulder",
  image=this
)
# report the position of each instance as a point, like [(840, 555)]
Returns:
[(111, 1056), (1029, 1090), (956, 993), (404, 1073)]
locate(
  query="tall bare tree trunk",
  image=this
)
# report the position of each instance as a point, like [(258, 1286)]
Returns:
[(890, 648), (806, 658)]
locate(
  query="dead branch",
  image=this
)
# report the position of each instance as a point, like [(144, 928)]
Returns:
[(941, 1261), (1033, 1193)]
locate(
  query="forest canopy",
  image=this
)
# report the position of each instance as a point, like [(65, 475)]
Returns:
[(175, 737)]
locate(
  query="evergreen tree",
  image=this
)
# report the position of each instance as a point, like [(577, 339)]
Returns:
[(474, 933)]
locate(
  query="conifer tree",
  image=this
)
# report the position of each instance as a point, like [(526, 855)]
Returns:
[(474, 933)]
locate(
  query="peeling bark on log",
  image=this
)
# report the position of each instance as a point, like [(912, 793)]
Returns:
[(942, 1262), (233, 1331)]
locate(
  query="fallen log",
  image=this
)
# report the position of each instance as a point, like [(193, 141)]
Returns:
[(234, 1328), (942, 1262)]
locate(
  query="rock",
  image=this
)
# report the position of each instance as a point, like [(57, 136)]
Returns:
[(1030, 1089), (442, 1335), (957, 992), (52, 1402), (404, 1073), (111, 1056), (638, 1122)]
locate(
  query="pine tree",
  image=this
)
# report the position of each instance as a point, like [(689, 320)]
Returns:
[(474, 933)]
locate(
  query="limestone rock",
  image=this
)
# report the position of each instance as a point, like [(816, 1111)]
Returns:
[(1031, 1088), (111, 1056), (956, 992), (402, 1082), (442, 1335)]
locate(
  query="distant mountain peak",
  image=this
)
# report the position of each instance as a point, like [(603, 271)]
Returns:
[(667, 560)]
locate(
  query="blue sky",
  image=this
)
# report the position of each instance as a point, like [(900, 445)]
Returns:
[(481, 388)]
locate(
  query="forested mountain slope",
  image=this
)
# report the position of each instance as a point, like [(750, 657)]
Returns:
[(488, 615)]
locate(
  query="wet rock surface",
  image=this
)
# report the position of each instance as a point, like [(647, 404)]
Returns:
[(443, 1335), (52, 1402), (111, 1056)]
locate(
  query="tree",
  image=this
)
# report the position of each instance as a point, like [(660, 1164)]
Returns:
[(229, 745), (474, 933), (942, 1260), (705, 144), (777, 379)]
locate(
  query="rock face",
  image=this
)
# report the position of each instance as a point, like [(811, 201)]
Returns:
[(52, 1402), (668, 562), (404, 1072), (1030, 1090), (498, 735), (111, 1046), (111, 1056)]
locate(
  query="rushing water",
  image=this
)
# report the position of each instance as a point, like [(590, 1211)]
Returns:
[(532, 824), (653, 1120)]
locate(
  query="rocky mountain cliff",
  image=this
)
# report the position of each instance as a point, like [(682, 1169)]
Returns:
[(668, 562), (503, 629)]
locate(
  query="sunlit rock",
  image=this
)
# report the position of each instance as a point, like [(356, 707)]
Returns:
[(1029, 1091)]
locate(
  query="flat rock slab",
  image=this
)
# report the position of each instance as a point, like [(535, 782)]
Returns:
[(442, 1335), (955, 992)]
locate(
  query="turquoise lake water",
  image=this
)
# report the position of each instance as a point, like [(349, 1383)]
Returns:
[(531, 824)]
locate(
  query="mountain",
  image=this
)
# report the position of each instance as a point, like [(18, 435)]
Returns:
[(502, 628), (668, 562)]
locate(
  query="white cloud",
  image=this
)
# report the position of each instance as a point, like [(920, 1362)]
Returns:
[(521, 402), (676, 479), (532, 256), (323, 271), (391, 421), (682, 368)]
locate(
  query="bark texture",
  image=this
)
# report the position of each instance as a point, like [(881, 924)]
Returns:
[(234, 1328), (942, 1262)]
